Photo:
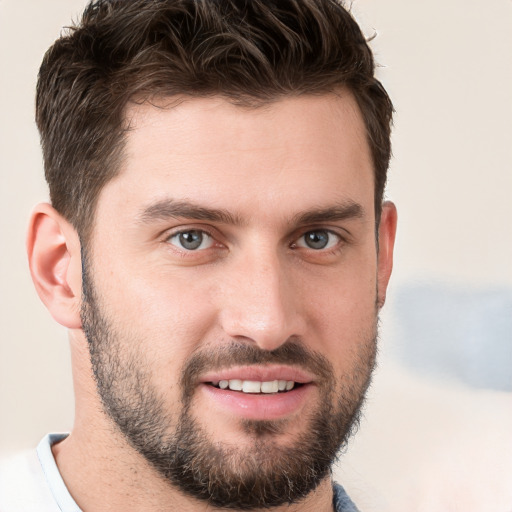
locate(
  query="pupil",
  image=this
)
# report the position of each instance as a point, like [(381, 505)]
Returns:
[(317, 239), (191, 239)]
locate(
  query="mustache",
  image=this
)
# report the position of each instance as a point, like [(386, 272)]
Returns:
[(293, 352)]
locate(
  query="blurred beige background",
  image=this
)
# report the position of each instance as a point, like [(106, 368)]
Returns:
[(437, 431)]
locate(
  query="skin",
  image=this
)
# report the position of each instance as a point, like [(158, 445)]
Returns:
[(255, 281)]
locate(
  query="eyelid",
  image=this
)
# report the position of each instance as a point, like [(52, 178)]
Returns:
[(206, 230), (206, 240), (185, 228), (330, 232)]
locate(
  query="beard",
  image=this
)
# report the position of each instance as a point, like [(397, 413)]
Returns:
[(265, 474)]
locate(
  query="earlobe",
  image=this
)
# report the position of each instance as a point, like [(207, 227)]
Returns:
[(387, 233), (53, 248)]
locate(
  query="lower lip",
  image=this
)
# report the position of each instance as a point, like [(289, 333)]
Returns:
[(258, 406)]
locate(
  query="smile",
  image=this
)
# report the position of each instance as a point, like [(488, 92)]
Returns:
[(258, 392), (256, 387)]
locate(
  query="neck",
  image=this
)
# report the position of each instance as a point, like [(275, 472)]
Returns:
[(123, 481), (97, 456)]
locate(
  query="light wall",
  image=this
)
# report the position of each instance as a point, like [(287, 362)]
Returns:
[(446, 64)]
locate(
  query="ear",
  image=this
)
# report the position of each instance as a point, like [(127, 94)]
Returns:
[(54, 257), (387, 232)]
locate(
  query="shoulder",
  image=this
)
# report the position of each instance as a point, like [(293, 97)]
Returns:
[(341, 501), (23, 486)]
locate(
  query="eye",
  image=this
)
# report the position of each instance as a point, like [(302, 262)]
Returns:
[(318, 239), (191, 240)]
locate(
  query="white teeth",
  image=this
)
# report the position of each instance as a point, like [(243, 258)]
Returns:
[(252, 386), (270, 387), (236, 384)]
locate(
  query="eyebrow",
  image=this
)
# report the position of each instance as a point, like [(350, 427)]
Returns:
[(170, 208), (343, 211)]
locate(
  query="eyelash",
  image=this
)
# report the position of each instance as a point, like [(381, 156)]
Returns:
[(183, 250), (334, 246), (294, 245)]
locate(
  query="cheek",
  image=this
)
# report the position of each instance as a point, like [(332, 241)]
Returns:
[(342, 312), (165, 316)]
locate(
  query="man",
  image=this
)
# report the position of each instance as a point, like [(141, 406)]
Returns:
[(217, 246)]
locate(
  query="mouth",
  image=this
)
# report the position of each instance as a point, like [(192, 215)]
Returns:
[(256, 386), (258, 392), (266, 380)]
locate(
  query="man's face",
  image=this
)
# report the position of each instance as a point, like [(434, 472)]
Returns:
[(231, 291)]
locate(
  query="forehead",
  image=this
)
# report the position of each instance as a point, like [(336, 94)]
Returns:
[(297, 150)]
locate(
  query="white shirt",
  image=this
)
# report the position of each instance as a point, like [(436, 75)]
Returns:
[(31, 482)]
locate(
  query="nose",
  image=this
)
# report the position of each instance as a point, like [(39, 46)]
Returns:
[(261, 302)]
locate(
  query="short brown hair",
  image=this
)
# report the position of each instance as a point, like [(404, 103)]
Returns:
[(249, 51)]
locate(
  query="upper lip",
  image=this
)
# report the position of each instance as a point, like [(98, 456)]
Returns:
[(265, 373)]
